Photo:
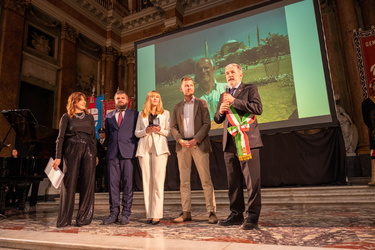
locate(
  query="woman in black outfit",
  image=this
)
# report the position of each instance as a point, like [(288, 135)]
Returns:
[(76, 148)]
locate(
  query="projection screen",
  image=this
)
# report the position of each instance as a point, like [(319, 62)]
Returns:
[(279, 45)]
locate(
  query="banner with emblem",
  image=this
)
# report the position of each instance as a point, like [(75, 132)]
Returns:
[(364, 43), (95, 107), (108, 106)]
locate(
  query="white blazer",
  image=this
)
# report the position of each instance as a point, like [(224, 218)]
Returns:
[(159, 138)]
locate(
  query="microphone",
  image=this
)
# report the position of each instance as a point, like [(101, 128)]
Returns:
[(227, 88)]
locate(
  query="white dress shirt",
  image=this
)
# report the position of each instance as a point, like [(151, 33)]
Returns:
[(189, 118)]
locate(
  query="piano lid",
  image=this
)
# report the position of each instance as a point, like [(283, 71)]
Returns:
[(30, 131), (23, 122)]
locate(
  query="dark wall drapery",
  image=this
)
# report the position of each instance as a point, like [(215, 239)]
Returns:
[(287, 159), (298, 159)]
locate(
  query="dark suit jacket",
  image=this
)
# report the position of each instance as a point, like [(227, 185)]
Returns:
[(202, 124), (101, 149), (121, 139), (247, 101)]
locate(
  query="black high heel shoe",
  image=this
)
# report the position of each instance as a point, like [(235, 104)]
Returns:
[(149, 221), (155, 222)]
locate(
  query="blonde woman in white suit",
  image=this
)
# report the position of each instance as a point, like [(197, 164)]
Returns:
[(153, 127)]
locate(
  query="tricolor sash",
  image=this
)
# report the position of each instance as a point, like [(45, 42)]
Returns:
[(238, 128)]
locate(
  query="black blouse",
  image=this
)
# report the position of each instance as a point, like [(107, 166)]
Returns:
[(82, 128), (151, 119)]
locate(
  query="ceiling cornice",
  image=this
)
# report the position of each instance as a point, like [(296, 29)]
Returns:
[(61, 16), (111, 21), (143, 19)]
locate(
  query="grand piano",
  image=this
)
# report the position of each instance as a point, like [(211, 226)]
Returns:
[(40, 142)]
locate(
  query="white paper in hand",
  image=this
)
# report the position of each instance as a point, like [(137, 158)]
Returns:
[(55, 176)]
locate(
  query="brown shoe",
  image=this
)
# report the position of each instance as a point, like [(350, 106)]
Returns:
[(184, 216), (212, 218)]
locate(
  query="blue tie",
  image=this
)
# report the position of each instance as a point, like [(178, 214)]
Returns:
[(232, 91)]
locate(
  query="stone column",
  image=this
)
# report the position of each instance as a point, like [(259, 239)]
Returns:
[(368, 12), (13, 23), (109, 59), (102, 76), (348, 22), (334, 51), (130, 60), (121, 72), (68, 63)]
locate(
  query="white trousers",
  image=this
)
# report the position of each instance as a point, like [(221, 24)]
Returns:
[(201, 160), (153, 178)]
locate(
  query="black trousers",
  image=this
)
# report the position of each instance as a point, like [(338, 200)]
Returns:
[(238, 172), (101, 176), (78, 161)]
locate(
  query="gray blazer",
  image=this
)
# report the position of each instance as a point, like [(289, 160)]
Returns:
[(202, 124)]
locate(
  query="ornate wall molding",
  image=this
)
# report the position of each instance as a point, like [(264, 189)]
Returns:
[(188, 7), (145, 18), (18, 6), (167, 4), (110, 53), (51, 10), (34, 66), (53, 25), (92, 48), (68, 32), (106, 17), (171, 28), (130, 56)]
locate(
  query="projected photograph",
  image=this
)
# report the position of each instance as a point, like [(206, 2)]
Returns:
[(278, 47), (258, 43)]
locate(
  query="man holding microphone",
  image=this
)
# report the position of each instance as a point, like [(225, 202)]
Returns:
[(241, 144)]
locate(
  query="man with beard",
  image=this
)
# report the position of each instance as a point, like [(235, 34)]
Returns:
[(122, 145), (208, 90), (190, 126)]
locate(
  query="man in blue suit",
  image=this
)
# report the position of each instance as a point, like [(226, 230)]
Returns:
[(122, 145)]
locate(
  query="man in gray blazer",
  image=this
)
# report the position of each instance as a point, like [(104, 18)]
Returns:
[(190, 127), (241, 163)]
